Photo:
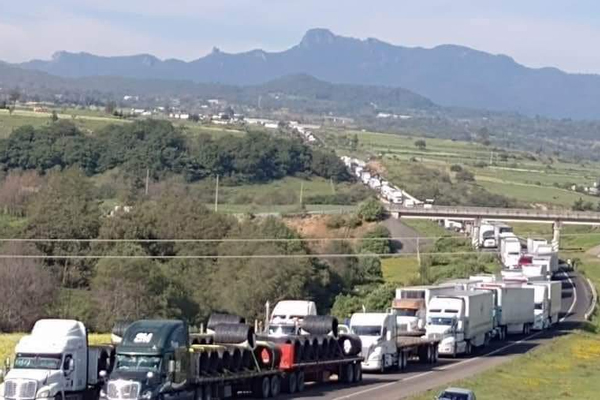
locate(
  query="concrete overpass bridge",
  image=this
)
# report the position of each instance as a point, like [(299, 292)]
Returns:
[(477, 214)]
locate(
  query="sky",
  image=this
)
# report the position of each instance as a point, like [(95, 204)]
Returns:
[(537, 33)]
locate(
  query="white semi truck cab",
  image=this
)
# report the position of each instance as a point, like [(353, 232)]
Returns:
[(410, 306), (287, 316), (461, 320), (55, 361), (377, 332)]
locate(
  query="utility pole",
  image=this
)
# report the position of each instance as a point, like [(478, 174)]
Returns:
[(217, 195), (147, 180), (301, 192), (491, 157)]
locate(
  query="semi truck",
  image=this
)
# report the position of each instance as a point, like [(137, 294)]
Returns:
[(410, 306), (384, 347), (510, 251), (548, 303), (55, 361), (487, 238), (461, 320), (514, 308)]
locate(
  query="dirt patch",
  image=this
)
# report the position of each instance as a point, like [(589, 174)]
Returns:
[(377, 166), (316, 227)]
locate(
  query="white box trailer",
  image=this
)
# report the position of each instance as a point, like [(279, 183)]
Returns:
[(461, 320), (554, 300), (487, 239), (410, 305), (510, 251), (514, 308), (532, 244)]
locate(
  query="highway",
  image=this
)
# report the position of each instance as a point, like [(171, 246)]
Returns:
[(418, 378)]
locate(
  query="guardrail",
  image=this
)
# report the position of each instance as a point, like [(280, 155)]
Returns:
[(482, 212)]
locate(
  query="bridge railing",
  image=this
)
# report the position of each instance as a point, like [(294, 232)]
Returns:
[(489, 211)]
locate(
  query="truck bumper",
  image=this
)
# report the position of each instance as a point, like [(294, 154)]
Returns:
[(371, 365), (445, 349)]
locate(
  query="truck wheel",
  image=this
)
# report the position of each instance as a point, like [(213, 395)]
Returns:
[(262, 388), (290, 384), (430, 355), (436, 354), (349, 373), (199, 393), (300, 382), (275, 385), (357, 373), (468, 349)]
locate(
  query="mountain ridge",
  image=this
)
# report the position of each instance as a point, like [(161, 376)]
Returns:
[(449, 75)]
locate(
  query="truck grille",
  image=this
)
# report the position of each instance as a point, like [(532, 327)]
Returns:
[(123, 390), (20, 389), (365, 352)]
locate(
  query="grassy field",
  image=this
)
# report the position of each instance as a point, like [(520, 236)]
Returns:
[(400, 270), (528, 178)]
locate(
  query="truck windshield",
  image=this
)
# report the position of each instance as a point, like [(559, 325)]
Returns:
[(143, 363), (38, 361), (406, 312), (282, 330), (441, 321), (366, 330)]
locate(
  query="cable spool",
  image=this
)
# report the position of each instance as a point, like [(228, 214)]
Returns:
[(334, 348), (316, 348), (307, 350), (320, 325), (236, 360), (350, 345), (298, 351), (239, 334), (225, 360), (218, 319), (213, 362), (203, 361), (248, 360), (324, 347)]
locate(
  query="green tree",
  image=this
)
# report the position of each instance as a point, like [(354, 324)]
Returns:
[(110, 107), (66, 208), (465, 176), (420, 144), (54, 116), (371, 210)]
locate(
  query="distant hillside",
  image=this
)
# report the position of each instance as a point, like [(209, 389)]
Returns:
[(448, 75), (301, 93)]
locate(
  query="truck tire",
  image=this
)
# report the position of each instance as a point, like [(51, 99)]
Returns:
[(275, 385), (468, 349), (436, 353), (431, 354), (261, 388), (349, 373), (300, 381), (290, 383), (357, 373)]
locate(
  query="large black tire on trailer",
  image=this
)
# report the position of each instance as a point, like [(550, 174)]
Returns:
[(207, 392), (236, 360), (261, 387), (225, 360), (298, 351), (350, 345), (213, 362), (203, 361), (248, 360), (357, 372), (320, 325), (218, 319), (316, 348), (307, 350)]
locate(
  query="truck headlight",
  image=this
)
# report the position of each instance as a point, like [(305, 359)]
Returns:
[(102, 393), (375, 353), (147, 395), (43, 394)]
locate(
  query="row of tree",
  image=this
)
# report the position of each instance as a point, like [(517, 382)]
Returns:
[(161, 148), (129, 275)]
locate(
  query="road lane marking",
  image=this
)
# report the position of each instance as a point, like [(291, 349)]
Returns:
[(451, 366)]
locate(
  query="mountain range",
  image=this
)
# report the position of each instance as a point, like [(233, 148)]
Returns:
[(449, 75)]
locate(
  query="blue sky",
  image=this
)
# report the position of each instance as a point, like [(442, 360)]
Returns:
[(537, 33)]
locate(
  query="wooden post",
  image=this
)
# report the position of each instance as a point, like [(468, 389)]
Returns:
[(217, 195), (147, 180)]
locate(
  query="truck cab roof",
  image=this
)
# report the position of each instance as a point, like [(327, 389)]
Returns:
[(53, 336), (153, 337)]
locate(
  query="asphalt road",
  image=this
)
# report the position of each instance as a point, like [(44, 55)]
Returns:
[(418, 378)]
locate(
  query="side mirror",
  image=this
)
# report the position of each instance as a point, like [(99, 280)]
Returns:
[(149, 375), (71, 365), (7, 363), (102, 374), (388, 336)]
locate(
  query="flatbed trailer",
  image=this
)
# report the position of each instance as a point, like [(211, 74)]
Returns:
[(296, 374), (411, 347)]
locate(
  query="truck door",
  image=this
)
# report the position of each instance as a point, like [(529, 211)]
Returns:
[(69, 372)]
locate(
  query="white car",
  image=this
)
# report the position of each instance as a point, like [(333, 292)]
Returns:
[(456, 394)]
